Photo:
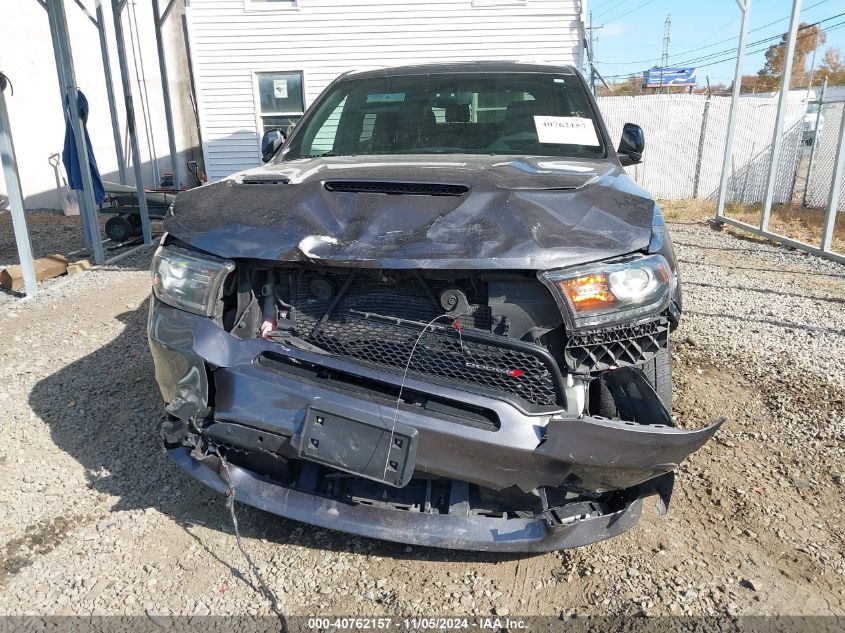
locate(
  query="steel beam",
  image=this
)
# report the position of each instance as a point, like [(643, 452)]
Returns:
[(70, 105), (115, 122), (167, 11), (86, 12), (777, 136), (780, 239), (729, 138), (117, 6), (835, 187), (13, 188), (165, 91)]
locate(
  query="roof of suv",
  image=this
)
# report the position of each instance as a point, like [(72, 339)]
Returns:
[(444, 68)]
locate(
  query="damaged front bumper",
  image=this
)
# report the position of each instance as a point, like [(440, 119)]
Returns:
[(463, 449)]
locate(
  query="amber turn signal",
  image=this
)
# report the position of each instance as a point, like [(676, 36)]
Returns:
[(588, 292)]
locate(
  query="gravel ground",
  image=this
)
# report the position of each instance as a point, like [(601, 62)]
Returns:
[(50, 233), (97, 521)]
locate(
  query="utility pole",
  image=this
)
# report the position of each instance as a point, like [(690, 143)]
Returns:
[(664, 57), (592, 61), (591, 53)]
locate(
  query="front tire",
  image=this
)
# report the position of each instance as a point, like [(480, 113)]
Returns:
[(658, 372)]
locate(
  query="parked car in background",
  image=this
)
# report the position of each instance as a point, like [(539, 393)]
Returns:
[(439, 314), (812, 123)]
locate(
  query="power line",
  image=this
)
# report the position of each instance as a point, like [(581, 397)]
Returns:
[(637, 8), (755, 43), (618, 4), (727, 59), (764, 40), (760, 50), (700, 44), (693, 50), (829, 29), (599, 3)]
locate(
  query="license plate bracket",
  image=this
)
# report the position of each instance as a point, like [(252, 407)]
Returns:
[(358, 445)]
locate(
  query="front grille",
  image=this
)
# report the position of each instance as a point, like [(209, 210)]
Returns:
[(397, 188), (620, 346), (379, 323)]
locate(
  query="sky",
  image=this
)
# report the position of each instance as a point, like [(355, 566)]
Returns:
[(631, 37)]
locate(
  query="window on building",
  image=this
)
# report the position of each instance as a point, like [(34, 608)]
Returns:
[(281, 100), (270, 5)]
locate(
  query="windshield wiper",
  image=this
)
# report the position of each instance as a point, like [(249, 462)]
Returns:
[(325, 154)]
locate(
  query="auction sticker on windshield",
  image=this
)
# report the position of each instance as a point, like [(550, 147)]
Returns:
[(566, 130)]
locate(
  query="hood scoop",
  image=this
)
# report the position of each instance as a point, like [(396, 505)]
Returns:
[(265, 180), (396, 188)]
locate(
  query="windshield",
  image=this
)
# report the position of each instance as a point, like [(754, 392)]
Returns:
[(467, 113)]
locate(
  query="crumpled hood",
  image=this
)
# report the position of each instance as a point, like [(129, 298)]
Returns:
[(518, 213)]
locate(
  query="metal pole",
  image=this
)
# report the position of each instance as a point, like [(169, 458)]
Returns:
[(815, 144), (13, 187), (87, 203), (700, 153), (835, 187), (64, 55), (115, 122), (592, 58), (64, 70), (130, 122), (777, 139), (165, 91), (729, 140)]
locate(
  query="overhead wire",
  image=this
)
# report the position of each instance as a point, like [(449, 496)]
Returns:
[(732, 55), (695, 49), (606, 11), (637, 8)]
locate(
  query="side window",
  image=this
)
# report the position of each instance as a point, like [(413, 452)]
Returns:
[(367, 127), (281, 100), (324, 138)]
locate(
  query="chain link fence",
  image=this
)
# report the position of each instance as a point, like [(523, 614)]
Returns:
[(823, 152), (686, 143)]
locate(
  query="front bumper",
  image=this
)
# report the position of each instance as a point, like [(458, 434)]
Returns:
[(467, 532), (525, 451)]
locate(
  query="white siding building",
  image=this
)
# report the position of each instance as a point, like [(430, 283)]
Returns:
[(35, 108), (262, 62)]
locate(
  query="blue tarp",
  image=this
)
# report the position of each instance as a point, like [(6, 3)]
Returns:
[(71, 160)]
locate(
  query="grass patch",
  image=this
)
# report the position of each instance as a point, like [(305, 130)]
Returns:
[(796, 223)]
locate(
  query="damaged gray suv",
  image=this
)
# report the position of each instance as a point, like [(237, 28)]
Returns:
[(439, 314)]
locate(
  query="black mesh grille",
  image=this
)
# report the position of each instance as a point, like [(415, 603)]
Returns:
[(378, 323), (397, 188), (621, 346)]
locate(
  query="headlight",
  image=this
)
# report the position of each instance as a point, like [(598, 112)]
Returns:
[(189, 280), (614, 291)]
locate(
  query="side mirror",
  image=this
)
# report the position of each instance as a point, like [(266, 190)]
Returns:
[(270, 143), (631, 145)]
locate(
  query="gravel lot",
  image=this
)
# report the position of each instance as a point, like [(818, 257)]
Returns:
[(97, 521), (50, 233)]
